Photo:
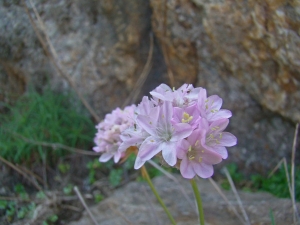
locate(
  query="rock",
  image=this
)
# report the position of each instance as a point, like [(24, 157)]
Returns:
[(241, 54), (136, 204), (254, 42), (99, 44)]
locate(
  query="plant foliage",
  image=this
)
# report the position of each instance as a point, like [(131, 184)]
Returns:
[(49, 117)]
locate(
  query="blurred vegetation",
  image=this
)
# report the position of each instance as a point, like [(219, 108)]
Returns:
[(48, 117), (277, 184)]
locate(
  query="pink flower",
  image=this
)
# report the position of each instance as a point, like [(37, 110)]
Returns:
[(189, 115), (163, 135), (196, 159), (184, 96), (210, 107), (217, 140), (108, 137)]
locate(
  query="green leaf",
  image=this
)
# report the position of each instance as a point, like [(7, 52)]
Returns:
[(115, 177), (53, 218), (3, 204)]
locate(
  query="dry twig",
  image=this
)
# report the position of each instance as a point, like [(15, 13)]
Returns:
[(164, 46), (283, 161), (85, 205), (226, 199), (33, 181), (52, 55), (117, 212), (55, 145), (173, 178), (295, 210), (237, 196), (138, 85)]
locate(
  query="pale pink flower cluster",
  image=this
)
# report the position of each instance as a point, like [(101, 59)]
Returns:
[(109, 130), (184, 126)]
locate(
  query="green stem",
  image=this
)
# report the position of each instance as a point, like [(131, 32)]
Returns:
[(146, 176), (198, 200)]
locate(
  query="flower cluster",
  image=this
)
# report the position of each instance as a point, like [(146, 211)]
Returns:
[(184, 126), (109, 130)]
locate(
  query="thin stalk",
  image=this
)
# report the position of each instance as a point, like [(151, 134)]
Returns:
[(146, 176), (198, 200)]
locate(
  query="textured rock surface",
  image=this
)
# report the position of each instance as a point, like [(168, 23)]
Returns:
[(245, 68), (135, 204), (256, 42), (103, 45)]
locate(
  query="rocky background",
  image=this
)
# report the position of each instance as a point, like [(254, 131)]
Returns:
[(247, 52)]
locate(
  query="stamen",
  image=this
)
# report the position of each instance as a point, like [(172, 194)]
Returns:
[(211, 136), (215, 128), (197, 142), (186, 118), (200, 159)]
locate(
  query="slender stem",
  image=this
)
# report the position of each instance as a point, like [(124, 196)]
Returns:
[(198, 200), (146, 176)]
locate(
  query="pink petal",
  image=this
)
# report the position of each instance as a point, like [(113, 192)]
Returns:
[(223, 113), (228, 139), (138, 163), (117, 156), (195, 135), (147, 123), (194, 93), (96, 149), (203, 170), (105, 157), (169, 152), (182, 130), (221, 124), (201, 99), (211, 157), (214, 102), (186, 169), (160, 91), (203, 124), (177, 115), (182, 148), (149, 148), (221, 150), (166, 112)]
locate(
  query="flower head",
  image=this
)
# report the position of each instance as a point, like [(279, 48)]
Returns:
[(108, 137), (181, 124)]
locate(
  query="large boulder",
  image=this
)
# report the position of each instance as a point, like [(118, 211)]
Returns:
[(246, 52)]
